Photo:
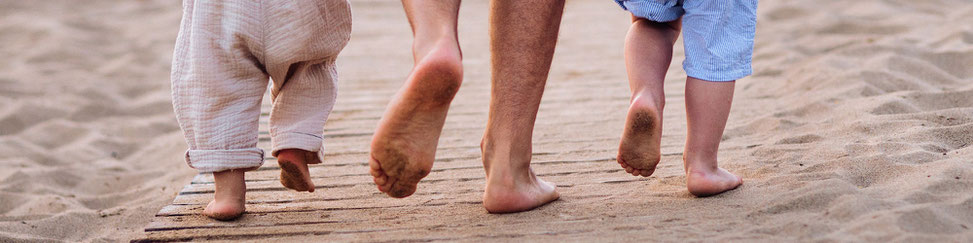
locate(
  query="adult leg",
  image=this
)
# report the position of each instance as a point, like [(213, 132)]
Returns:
[(523, 35), (648, 52), (707, 108), (404, 146)]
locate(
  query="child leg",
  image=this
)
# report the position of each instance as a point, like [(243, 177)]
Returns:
[(717, 54), (707, 107), (302, 41), (229, 196), (301, 105), (648, 52), (217, 91), (404, 145)]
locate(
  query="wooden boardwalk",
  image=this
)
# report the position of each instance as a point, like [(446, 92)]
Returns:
[(575, 142)]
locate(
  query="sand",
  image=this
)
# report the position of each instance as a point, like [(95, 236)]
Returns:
[(89, 146), (856, 125)]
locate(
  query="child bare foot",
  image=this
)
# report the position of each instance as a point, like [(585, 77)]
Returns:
[(511, 189), (294, 173), (703, 183), (404, 146), (229, 196), (638, 152), (707, 108)]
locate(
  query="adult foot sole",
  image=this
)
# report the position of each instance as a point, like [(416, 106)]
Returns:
[(404, 146)]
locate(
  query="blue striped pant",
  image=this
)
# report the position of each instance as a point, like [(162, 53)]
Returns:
[(717, 34)]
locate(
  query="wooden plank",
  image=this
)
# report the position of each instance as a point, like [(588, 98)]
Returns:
[(269, 171), (449, 226), (458, 173), (439, 170)]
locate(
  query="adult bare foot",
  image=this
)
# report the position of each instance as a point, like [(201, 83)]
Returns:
[(294, 173), (523, 35), (229, 196), (639, 152), (511, 188), (703, 183), (404, 146), (517, 193)]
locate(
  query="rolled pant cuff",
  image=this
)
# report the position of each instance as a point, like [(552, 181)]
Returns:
[(302, 141), (220, 160)]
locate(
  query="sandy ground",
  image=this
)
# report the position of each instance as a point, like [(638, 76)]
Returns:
[(89, 146), (856, 124)]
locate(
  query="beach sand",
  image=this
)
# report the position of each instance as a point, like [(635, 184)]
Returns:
[(89, 146), (855, 126)]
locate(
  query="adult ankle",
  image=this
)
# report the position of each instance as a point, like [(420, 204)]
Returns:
[(647, 98), (422, 46)]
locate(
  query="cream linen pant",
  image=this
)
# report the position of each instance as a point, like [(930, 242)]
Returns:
[(225, 53)]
